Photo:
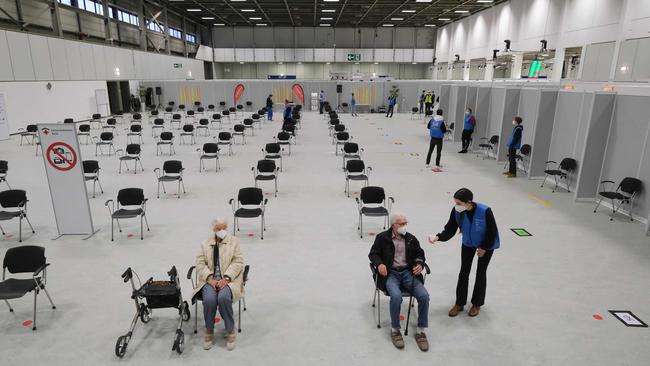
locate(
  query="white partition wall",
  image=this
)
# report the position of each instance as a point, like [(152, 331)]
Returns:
[(457, 110), (528, 109), (497, 100), (541, 140), (509, 111), (482, 113), (445, 97)]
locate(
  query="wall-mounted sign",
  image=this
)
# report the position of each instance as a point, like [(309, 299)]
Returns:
[(354, 57), (281, 77), (178, 66)]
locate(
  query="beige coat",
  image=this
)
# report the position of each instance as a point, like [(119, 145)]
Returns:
[(231, 261)]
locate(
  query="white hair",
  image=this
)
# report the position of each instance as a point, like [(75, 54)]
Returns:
[(396, 215), (220, 220)]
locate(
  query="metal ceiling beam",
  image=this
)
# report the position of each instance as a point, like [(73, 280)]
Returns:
[(367, 12), (419, 12), (235, 10), (288, 11), (340, 12), (217, 16), (315, 11), (268, 18), (392, 12)]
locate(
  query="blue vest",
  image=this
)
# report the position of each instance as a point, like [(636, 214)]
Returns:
[(512, 137), (474, 232), (287, 112), (391, 101), (468, 126), (434, 128), (353, 101)]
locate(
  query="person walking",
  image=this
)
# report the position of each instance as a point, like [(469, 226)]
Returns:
[(321, 101), (269, 107), (391, 105), (469, 123), (514, 144), (481, 237), (437, 131), (421, 110), (353, 106)]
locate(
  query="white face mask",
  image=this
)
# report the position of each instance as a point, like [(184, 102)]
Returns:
[(402, 230), (467, 112), (221, 234), (460, 208), (514, 123)]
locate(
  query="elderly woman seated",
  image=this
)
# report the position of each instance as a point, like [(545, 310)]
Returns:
[(219, 266)]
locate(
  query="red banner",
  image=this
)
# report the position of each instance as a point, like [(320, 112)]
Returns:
[(297, 91), (239, 91)]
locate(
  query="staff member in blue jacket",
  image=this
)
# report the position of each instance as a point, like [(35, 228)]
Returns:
[(391, 105), (480, 236), (469, 122), (437, 131), (514, 144), (269, 107)]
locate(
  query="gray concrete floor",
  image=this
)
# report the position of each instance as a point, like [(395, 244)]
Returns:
[(310, 289)]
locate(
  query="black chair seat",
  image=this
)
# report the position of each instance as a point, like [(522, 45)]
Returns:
[(374, 211), (554, 172), (352, 156), (169, 178), (265, 177), (8, 215), (248, 212), (487, 146), (14, 288), (124, 213), (614, 195), (127, 157), (209, 156), (358, 177), (87, 178)]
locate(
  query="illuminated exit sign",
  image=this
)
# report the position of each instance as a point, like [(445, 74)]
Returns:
[(535, 69)]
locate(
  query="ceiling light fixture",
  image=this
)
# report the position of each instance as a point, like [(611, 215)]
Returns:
[(461, 11), (388, 25), (326, 18), (208, 18), (261, 24), (485, 1), (423, 1), (396, 18), (193, 9), (324, 25), (247, 10), (408, 11), (218, 24), (444, 19), (328, 10), (330, 1), (255, 18), (429, 25)]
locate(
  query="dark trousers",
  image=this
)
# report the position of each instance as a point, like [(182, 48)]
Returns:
[(432, 144), (467, 257), (390, 111), (421, 107), (427, 107), (512, 158), (467, 138), (322, 104)]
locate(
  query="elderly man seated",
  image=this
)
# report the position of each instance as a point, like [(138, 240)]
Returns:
[(399, 259), (219, 266)]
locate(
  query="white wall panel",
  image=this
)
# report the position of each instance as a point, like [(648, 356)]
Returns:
[(102, 58), (21, 58), (73, 56), (40, 57), (384, 55), (323, 54), (6, 71), (58, 58), (87, 62)]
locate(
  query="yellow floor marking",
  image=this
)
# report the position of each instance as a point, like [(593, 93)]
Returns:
[(545, 203)]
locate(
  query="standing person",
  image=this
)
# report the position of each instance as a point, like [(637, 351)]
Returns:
[(399, 260), (481, 236), (437, 105), (428, 101), (514, 144), (437, 131), (321, 101), (391, 105), (287, 116), (422, 101), (219, 269), (469, 122), (353, 106), (269, 107)]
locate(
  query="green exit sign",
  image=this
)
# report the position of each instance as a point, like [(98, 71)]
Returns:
[(178, 66), (354, 57)]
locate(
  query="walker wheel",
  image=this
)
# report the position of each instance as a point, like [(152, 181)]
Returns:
[(186, 311), (179, 342), (120, 346), (145, 314)]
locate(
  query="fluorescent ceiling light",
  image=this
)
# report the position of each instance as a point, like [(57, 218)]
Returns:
[(423, 1), (485, 1), (280, 63), (330, 1), (328, 10), (429, 25), (238, 1), (388, 25), (444, 18), (327, 63), (218, 24), (208, 18), (324, 25), (408, 11), (396, 18), (414, 63), (261, 24), (461, 11), (241, 62), (193, 9), (376, 63), (326, 18), (247, 10), (255, 18)]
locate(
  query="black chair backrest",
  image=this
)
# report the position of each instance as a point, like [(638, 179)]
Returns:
[(133, 149), (344, 104), (68, 120), (222, 103), (97, 116), (372, 194), (350, 148), (130, 196), (494, 139), (197, 103), (90, 166), (261, 111), (210, 148), (288, 127), (106, 136), (200, 109), (181, 106), (4, 166), (255, 116), (158, 122), (210, 106), (172, 166), (225, 113), (13, 198), (176, 116), (266, 166), (249, 103), (188, 128), (239, 106), (342, 136), (171, 103), (452, 125), (272, 148), (225, 136), (250, 196), (568, 164), (136, 128), (190, 112), (31, 128), (415, 109), (204, 122), (84, 128), (137, 116), (248, 121), (24, 259), (630, 185), (232, 109), (526, 149), (216, 116), (166, 136), (111, 122), (355, 166), (334, 121), (238, 128), (154, 112), (339, 128), (169, 109), (284, 136)]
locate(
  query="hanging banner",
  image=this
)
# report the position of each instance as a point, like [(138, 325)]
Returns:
[(4, 122), (298, 92), (63, 166), (239, 91)]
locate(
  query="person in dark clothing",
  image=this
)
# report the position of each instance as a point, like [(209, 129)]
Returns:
[(269, 107), (391, 105), (437, 131), (287, 112), (321, 101), (399, 260), (422, 96), (469, 122), (514, 144), (481, 236)]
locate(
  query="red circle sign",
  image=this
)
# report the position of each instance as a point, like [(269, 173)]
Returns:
[(61, 156)]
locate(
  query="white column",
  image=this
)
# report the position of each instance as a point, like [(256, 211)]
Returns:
[(489, 71), (558, 62), (517, 63)]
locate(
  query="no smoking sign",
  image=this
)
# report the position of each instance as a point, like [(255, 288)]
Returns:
[(61, 156)]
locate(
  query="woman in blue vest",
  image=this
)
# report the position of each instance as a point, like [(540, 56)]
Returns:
[(469, 122), (480, 236), (391, 105), (514, 144), (437, 131)]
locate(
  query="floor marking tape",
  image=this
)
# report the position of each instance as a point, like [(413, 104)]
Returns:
[(545, 203)]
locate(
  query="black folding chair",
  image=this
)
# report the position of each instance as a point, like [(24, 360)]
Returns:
[(15, 200), (210, 107), (254, 204), (380, 287), (189, 117), (248, 125), (356, 170), (216, 118), (225, 139), (166, 138), (199, 296), (204, 124), (136, 118), (488, 146), (338, 128), (84, 131), (97, 119), (291, 129), (340, 138), (273, 151), (256, 119), (132, 153), (415, 113), (172, 171), (105, 139), (91, 173), (176, 119), (131, 203), (372, 202), (266, 170), (210, 150), (188, 131), (626, 192), (111, 124), (284, 139), (239, 130), (351, 151), (29, 134), (4, 168), (559, 172), (222, 105), (135, 130), (24, 259), (158, 124), (333, 122), (225, 114)]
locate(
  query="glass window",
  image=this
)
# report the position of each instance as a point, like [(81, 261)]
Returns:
[(190, 38), (175, 33)]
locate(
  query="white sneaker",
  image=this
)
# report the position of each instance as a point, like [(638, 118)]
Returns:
[(208, 341), (230, 340)]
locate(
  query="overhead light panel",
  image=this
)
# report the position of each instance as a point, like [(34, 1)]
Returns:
[(247, 10), (423, 1), (324, 25), (396, 18), (255, 18), (429, 25), (193, 10), (218, 24), (328, 10), (330, 1), (388, 25), (208, 18), (485, 1), (408, 11), (326, 18), (444, 19), (461, 11), (261, 24)]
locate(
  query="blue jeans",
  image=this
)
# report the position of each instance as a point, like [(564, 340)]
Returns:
[(353, 109), (213, 299), (398, 281), (270, 114)]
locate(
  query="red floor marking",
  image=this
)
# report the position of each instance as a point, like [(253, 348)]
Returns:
[(9, 236), (401, 317), (251, 234), (130, 236), (217, 320), (597, 317), (27, 323), (371, 234)]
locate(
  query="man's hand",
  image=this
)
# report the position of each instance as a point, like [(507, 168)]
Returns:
[(480, 252), (382, 270), (433, 238), (417, 269), (222, 283), (212, 282)]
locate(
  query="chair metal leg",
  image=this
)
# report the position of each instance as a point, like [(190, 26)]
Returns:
[(598, 204), (48, 297), (239, 318), (112, 230), (20, 229), (244, 298), (141, 231), (146, 222), (119, 227), (11, 310), (378, 311), (35, 295), (29, 223)]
